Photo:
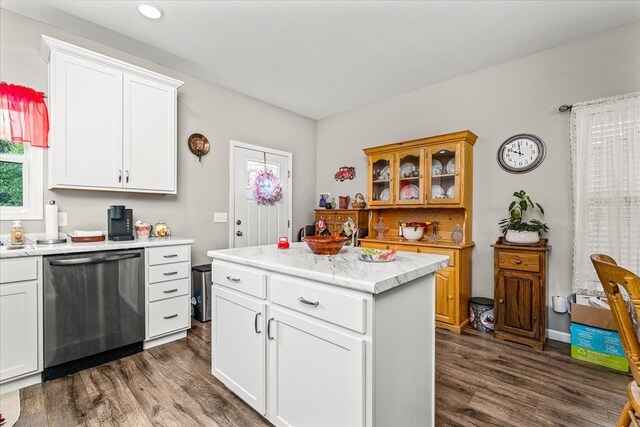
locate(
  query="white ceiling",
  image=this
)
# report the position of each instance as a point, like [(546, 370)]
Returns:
[(320, 58)]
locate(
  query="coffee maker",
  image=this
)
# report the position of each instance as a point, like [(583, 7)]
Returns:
[(120, 223)]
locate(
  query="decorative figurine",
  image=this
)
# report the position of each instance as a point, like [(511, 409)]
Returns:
[(345, 172)]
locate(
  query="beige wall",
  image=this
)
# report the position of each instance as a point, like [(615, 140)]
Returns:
[(495, 103), (218, 113)]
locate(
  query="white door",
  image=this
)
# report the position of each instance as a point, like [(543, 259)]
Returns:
[(86, 124), (254, 224), (239, 346), (149, 135), (18, 329), (316, 374)]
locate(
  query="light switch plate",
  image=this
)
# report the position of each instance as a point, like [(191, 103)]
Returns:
[(62, 219), (220, 217)]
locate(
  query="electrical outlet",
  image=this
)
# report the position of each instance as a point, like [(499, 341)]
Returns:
[(62, 219), (220, 217)]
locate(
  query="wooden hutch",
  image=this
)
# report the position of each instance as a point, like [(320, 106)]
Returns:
[(428, 179)]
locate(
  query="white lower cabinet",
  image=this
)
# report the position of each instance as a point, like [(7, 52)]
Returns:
[(239, 357), (308, 354), (20, 314), (316, 373)]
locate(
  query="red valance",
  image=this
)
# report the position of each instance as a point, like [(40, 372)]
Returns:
[(23, 115)]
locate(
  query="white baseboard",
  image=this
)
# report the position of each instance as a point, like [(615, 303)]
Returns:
[(559, 336)]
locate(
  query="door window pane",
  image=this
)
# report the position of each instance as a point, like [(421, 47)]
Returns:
[(254, 167)]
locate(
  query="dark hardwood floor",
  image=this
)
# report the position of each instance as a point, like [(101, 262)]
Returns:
[(479, 382)]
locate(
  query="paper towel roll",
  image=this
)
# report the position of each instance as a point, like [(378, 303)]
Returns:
[(51, 220)]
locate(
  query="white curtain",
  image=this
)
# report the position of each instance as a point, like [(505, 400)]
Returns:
[(605, 155)]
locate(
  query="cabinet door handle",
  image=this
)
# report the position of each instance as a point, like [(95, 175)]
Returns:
[(233, 279), (450, 297), (170, 256), (170, 273), (119, 175), (170, 291), (312, 303), (255, 323), (126, 174), (269, 329), (171, 317), (501, 301), (518, 261)]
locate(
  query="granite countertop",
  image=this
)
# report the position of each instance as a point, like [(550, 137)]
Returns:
[(106, 245), (343, 269)]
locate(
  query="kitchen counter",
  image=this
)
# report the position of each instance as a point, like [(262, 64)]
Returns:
[(106, 245), (343, 269)]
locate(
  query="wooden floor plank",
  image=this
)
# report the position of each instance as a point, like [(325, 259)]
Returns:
[(480, 381)]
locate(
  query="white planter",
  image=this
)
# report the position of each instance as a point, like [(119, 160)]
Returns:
[(522, 237)]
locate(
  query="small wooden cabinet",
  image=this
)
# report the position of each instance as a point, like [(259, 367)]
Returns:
[(113, 125), (334, 218), (520, 292)]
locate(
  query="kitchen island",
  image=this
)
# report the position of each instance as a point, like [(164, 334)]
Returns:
[(311, 340)]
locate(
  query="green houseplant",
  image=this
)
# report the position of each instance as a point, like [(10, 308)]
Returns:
[(515, 228)]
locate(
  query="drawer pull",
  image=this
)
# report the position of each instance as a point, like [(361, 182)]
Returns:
[(171, 317), (304, 301), (501, 301), (233, 279), (518, 261), (450, 297), (170, 291), (170, 256), (170, 273)]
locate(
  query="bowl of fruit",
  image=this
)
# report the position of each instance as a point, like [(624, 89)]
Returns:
[(413, 230), (376, 255)]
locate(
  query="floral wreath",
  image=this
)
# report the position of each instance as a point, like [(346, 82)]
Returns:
[(266, 188)]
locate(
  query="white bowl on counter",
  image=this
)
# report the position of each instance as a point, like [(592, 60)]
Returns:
[(413, 233)]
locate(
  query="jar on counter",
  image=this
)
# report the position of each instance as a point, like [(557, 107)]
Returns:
[(17, 233)]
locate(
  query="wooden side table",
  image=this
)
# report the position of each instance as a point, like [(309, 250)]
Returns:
[(520, 275)]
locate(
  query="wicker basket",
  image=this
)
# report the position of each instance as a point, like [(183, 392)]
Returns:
[(358, 201)]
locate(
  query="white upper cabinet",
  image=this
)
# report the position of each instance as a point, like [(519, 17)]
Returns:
[(113, 125)]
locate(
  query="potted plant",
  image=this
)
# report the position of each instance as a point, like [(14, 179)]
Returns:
[(515, 229)]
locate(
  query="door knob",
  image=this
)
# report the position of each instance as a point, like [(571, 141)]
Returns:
[(238, 233), (238, 222)]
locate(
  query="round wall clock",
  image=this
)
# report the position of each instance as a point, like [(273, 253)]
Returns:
[(521, 153)]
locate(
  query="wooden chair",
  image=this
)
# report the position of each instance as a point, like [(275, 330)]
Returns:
[(612, 277)]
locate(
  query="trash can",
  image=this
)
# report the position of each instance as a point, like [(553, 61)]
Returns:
[(481, 314), (201, 292)]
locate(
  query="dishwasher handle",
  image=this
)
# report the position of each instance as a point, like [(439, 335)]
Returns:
[(92, 260)]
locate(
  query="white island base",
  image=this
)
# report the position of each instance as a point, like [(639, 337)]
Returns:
[(357, 352)]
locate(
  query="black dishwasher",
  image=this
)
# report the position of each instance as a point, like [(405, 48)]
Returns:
[(94, 309)]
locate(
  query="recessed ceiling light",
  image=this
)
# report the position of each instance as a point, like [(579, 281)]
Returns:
[(150, 10)]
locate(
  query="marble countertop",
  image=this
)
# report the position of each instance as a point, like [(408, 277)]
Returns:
[(343, 269), (106, 245)]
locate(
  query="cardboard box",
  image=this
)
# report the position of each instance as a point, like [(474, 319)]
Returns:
[(594, 337), (593, 316)]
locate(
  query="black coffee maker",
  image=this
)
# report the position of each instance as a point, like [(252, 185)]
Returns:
[(120, 223)]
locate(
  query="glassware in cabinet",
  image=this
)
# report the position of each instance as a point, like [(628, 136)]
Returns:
[(410, 177), (381, 174), (444, 170)]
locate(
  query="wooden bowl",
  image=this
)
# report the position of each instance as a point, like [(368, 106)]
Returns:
[(325, 245)]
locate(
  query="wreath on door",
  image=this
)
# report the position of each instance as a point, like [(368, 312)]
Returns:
[(266, 188)]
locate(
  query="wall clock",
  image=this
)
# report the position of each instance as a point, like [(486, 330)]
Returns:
[(521, 153)]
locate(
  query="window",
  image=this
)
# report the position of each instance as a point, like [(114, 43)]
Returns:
[(605, 146), (20, 181), (254, 167), (24, 128)]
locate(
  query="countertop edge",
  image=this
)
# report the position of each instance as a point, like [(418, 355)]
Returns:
[(329, 279), (106, 245)]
